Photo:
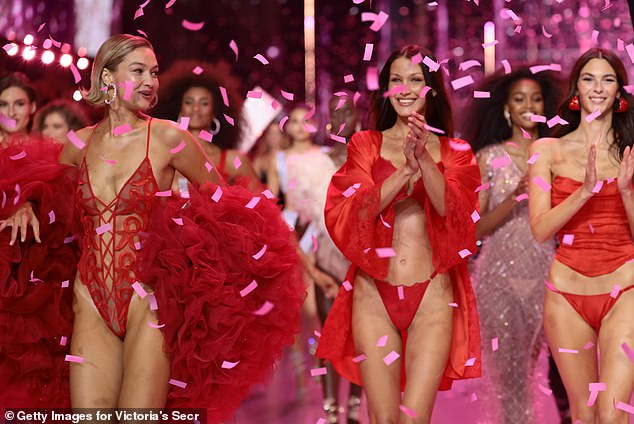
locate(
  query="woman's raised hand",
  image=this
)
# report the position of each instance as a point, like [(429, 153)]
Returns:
[(418, 132), (21, 220), (590, 180), (626, 171)]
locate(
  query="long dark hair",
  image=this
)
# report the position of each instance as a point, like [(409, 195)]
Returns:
[(437, 106), (485, 123), (622, 123), (180, 78)]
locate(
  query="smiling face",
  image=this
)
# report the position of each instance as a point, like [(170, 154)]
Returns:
[(598, 86), (197, 104), (136, 78), (525, 100), (16, 105), (406, 82)]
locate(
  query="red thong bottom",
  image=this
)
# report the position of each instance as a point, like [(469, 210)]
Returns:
[(402, 302), (592, 307)]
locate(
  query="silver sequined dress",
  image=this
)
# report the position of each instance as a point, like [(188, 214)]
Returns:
[(509, 278)]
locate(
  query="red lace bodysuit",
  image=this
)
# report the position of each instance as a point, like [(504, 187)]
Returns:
[(108, 262)]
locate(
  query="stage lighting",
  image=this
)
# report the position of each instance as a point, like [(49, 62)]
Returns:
[(82, 63), (81, 52), (28, 39), (28, 53), (48, 57), (11, 49), (77, 95), (65, 60)]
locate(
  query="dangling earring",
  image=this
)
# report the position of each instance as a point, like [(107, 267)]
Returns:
[(507, 116), (620, 105), (114, 93), (574, 103), (215, 127)]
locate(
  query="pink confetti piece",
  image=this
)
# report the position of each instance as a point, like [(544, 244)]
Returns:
[(367, 53), (418, 58), (625, 407), (142, 33), (616, 289), (237, 162), (523, 196), (17, 194), (474, 397), (359, 358), (372, 78), (597, 187), (401, 293), (556, 120), (139, 290), (170, 4), (178, 221), (501, 162), (177, 383), (470, 362), (526, 134), (153, 304), (595, 37), (254, 94), (550, 287), (351, 190), (481, 94), (459, 146), (63, 340), (8, 122), (33, 279), (65, 284), (382, 341), (386, 224), (248, 289), (461, 82), (338, 138), (157, 326), (197, 69), (395, 90), (322, 420), (138, 13), (18, 156), (137, 245), (546, 33), (468, 64), (385, 252), (178, 148), (380, 20), (595, 388), (205, 135), (426, 89), (484, 186), (318, 371), (562, 350), (229, 365), (261, 59), (475, 216), (348, 78), (145, 3), (409, 412), (594, 115), (433, 4), (542, 184), (260, 253), (508, 13), (452, 304), (620, 45), (628, 351), (494, 344), (103, 228), (233, 46), (166, 193), (121, 129), (74, 138), (229, 119), (183, 123), (346, 285), (433, 129), (317, 333), (431, 64), (41, 27), (208, 166), (315, 243), (192, 26), (568, 239), (253, 202), (512, 144), (533, 159), (464, 253), (69, 239), (268, 194), (391, 357), (507, 66), (74, 358), (75, 72), (264, 309), (538, 118), (591, 228), (545, 390), (490, 44)]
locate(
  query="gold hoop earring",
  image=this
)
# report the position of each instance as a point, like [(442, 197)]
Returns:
[(114, 93)]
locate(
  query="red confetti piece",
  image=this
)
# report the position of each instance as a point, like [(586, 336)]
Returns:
[(192, 26)]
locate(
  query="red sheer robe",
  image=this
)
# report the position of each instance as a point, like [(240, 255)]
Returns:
[(353, 221)]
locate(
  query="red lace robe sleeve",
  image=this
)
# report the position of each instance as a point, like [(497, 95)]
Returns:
[(352, 207), (452, 234)]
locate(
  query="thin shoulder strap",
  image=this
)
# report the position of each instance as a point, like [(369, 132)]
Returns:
[(147, 142), (223, 159)]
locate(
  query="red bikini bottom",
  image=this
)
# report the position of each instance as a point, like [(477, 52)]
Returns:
[(592, 307), (402, 302)]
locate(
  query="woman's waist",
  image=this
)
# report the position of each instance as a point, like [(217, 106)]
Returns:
[(568, 279)]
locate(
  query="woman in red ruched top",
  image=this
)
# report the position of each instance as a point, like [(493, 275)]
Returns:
[(400, 209), (581, 189)]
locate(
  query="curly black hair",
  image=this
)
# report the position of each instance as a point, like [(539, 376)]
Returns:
[(180, 77)]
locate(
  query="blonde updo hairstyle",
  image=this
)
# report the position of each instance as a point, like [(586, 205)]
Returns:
[(109, 56)]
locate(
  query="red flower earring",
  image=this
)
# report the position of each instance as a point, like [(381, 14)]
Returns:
[(574, 103), (620, 105)]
